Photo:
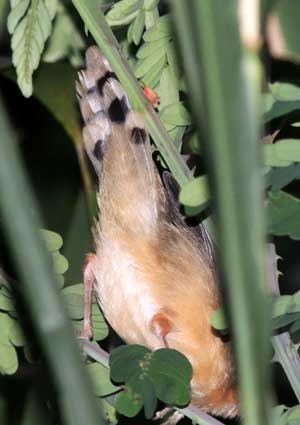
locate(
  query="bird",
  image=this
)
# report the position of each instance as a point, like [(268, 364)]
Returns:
[(154, 277)]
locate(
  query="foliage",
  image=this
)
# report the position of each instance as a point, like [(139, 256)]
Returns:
[(47, 37), (164, 374), (30, 24), (73, 297)]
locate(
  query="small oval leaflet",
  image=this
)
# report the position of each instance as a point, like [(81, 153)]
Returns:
[(195, 192), (53, 240)]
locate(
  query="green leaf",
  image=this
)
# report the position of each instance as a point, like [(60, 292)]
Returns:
[(124, 361), (6, 303), (279, 177), (285, 92), (165, 372), (283, 214), (194, 211), (149, 49), (285, 310), (8, 359), (294, 414), (78, 289), (65, 41), (281, 305), (16, 14), (282, 153), (100, 328), (168, 88), (5, 289), (53, 240), (195, 193), (60, 263), (152, 76), (138, 391), (281, 108), (74, 304), (30, 24), (283, 98), (8, 355), (194, 144), (267, 102), (102, 384), (277, 413), (5, 324), (177, 134), (151, 17), (175, 114), (171, 373), (123, 12), (143, 65), (149, 396), (129, 402), (138, 27), (130, 33), (286, 319), (295, 326), (160, 30), (60, 281), (150, 4), (51, 6), (173, 61), (218, 320)]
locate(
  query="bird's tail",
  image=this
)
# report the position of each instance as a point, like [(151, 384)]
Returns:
[(117, 143)]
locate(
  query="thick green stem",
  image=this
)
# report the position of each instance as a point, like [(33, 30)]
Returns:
[(224, 102), (39, 287)]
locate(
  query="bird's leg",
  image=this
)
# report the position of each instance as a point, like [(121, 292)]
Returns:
[(89, 279)]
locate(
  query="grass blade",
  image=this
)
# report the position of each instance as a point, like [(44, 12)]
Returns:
[(39, 288), (219, 82)]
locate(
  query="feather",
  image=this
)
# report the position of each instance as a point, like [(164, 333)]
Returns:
[(115, 138)]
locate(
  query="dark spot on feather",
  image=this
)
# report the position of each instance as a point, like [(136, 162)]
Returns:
[(103, 80), (98, 150), (91, 90), (138, 135), (117, 110)]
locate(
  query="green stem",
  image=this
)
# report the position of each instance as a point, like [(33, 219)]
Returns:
[(220, 83), (39, 287)]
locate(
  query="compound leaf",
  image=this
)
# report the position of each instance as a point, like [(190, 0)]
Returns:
[(30, 24)]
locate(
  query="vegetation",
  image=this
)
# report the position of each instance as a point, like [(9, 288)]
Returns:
[(228, 83)]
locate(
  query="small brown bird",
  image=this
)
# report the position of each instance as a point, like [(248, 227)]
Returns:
[(154, 278)]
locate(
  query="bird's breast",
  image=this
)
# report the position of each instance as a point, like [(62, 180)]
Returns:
[(125, 295)]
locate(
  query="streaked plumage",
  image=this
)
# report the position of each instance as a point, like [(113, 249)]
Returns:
[(154, 279)]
